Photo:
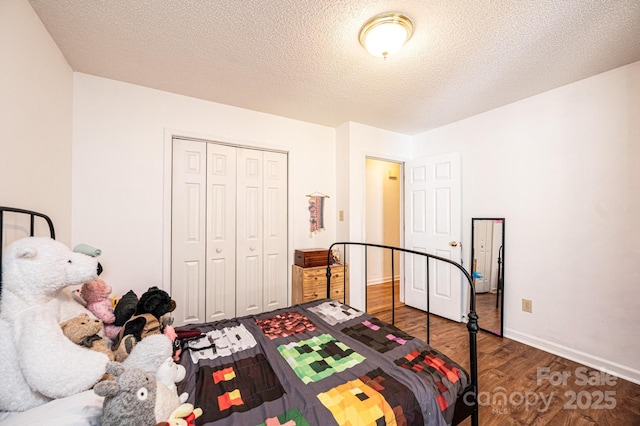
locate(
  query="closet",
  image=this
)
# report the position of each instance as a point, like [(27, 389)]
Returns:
[(228, 231)]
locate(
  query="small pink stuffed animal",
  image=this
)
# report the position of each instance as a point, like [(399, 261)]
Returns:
[(96, 294)]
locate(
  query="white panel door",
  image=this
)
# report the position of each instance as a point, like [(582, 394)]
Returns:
[(275, 231), (249, 239), (433, 225), (221, 232), (188, 231)]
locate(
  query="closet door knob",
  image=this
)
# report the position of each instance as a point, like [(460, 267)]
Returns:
[(218, 250), (252, 248), (453, 244)]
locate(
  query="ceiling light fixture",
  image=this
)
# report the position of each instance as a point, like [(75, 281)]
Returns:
[(385, 34)]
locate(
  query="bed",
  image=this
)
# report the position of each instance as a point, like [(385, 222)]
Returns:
[(316, 363)]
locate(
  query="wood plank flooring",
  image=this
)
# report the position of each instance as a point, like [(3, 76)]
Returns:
[(487, 312), (518, 384)]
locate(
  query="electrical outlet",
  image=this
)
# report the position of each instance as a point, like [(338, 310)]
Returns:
[(527, 305)]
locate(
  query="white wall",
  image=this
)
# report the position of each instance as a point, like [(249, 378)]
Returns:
[(119, 163), (36, 86), (342, 181), (563, 168)]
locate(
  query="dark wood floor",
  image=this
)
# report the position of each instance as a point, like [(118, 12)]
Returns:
[(529, 379), (488, 313)]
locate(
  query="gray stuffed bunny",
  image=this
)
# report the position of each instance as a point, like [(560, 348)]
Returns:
[(130, 399)]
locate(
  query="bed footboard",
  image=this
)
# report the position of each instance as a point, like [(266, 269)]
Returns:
[(467, 405)]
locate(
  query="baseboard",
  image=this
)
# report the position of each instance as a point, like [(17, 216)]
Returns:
[(383, 280), (615, 369)]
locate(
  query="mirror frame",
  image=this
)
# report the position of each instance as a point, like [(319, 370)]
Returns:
[(501, 295)]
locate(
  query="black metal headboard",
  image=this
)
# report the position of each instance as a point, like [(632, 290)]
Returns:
[(32, 228)]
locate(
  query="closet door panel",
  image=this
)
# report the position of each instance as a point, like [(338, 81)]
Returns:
[(221, 232), (188, 231), (275, 231), (249, 243)]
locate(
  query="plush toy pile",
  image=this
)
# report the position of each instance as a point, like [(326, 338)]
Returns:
[(53, 347), (150, 316)]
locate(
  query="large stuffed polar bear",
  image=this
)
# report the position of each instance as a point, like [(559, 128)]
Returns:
[(37, 362)]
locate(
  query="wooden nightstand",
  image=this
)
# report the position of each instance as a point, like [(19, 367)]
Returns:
[(310, 284)]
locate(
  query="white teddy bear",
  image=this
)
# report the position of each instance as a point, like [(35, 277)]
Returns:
[(38, 362)]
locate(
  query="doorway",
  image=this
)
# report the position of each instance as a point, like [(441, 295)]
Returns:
[(383, 225)]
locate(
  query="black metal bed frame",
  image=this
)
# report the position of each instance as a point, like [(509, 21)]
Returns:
[(469, 406), (32, 228)]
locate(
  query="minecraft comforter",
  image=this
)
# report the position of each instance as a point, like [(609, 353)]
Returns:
[(319, 363)]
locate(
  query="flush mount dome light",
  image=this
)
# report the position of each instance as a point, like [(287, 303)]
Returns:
[(385, 34)]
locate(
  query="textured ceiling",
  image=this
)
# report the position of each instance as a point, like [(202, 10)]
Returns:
[(302, 59)]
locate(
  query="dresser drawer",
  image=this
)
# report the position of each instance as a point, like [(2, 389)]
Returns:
[(318, 290), (320, 274)]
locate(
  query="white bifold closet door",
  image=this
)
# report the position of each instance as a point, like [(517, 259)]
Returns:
[(229, 231)]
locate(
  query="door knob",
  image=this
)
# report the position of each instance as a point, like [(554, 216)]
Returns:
[(252, 248), (453, 244), (218, 250)]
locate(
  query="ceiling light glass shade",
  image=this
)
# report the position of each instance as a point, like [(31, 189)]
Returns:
[(385, 34)]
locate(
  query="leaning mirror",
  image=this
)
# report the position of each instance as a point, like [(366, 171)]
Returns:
[(487, 270)]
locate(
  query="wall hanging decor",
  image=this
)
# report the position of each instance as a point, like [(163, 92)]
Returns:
[(316, 212)]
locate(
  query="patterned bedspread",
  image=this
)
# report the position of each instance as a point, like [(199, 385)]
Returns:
[(320, 363)]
